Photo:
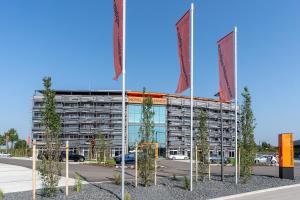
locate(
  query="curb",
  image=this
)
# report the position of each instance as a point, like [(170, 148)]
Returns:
[(256, 192)]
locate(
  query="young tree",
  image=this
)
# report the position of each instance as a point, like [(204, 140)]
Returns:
[(101, 147), (50, 168), (203, 145), (247, 143), (146, 159), (12, 136)]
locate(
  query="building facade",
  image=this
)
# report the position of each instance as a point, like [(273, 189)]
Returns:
[(85, 114)]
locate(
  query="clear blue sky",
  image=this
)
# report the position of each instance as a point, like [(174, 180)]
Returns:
[(71, 41)]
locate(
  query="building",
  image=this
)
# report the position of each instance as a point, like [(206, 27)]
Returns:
[(87, 113)]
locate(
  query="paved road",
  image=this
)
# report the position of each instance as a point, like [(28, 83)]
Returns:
[(95, 173)]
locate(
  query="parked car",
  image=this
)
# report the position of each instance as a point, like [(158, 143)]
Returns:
[(43, 155), (272, 159), (178, 157), (260, 159), (72, 156), (216, 159), (4, 155), (266, 159), (129, 159)]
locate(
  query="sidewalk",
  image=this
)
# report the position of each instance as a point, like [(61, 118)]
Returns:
[(280, 193), (16, 179)]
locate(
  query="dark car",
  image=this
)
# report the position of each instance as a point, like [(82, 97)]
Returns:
[(129, 159), (44, 155), (216, 159), (72, 156)]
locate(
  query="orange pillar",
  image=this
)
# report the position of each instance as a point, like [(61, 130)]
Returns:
[(286, 155)]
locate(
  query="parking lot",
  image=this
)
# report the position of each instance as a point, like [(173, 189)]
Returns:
[(95, 173)]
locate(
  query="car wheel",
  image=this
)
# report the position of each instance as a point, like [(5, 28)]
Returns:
[(273, 162), (81, 160), (173, 158)]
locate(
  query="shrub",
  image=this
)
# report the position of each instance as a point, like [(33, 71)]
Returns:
[(231, 161), (118, 178), (1, 194), (127, 196), (186, 183), (78, 184), (111, 162)]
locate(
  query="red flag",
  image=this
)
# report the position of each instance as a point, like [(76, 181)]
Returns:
[(118, 37), (183, 36), (28, 140), (226, 67)]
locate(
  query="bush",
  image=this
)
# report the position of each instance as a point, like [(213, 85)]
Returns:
[(1, 194), (78, 184), (231, 161), (111, 162), (118, 178), (186, 183), (127, 196)]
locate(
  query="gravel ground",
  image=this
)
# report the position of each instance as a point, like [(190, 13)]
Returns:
[(167, 189)]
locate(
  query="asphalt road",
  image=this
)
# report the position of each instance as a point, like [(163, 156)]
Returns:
[(95, 173)]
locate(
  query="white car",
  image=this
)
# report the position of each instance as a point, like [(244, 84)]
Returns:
[(261, 159), (178, 157), (4, 155), (266, 159)]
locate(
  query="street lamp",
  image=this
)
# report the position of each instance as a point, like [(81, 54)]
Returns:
[(222, 155)]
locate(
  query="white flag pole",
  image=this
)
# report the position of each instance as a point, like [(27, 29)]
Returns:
[(236, 127), (123, 99), (192, 93)]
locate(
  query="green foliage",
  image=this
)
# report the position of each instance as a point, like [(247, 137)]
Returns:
[(117, 178), (50, 168), (266, 148), (78, 184), (203, 145), (20, 144), (231, 161), (12, 136), (101, 148), (146, 158), (247, 143), (127, 196), (111, 162), (146, 131), (1, 194), (2, 140), (186, 183)]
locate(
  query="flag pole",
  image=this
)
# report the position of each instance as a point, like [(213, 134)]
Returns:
[(123, 99), (192, 93), (236, 127)]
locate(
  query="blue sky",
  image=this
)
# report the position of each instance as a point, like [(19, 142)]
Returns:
[(71, 41)]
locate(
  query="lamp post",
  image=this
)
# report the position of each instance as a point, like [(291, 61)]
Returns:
[(222, 154)]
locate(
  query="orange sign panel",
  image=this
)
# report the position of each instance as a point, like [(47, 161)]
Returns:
[(139, 100), (286, 150)]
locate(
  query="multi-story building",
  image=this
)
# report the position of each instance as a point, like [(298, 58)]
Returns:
[(87, 113)]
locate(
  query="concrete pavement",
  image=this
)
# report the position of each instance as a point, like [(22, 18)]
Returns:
[(288, 192), (16, 179)]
